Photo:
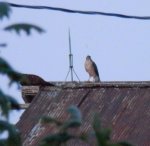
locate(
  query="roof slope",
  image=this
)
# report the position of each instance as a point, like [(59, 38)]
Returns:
[(122, 106)]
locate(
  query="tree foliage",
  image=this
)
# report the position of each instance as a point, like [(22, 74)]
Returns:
[(102, 135), (62, 136), (4, 10), (6, 69), (8, 102), (23, 27)]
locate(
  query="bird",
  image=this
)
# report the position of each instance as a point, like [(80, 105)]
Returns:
[(33, 80), (91, 69)]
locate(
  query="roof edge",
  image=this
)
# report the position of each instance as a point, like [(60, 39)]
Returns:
[(30, 91), (76, 84), (117, 84)]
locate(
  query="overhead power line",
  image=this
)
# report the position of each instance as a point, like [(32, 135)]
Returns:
[(80, 12)]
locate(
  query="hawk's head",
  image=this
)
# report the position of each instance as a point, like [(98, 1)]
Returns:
[(88, 57)]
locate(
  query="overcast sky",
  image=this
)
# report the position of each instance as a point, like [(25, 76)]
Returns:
[(120, 47)]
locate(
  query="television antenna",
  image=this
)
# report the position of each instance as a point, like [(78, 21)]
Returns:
[(71, 68)]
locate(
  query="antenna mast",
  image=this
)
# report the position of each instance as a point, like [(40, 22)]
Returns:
[(71, 69), (70, 57)]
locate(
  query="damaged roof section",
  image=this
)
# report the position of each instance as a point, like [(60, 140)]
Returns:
[(122, 106)]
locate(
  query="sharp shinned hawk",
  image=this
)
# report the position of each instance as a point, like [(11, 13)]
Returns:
[(92, 70)]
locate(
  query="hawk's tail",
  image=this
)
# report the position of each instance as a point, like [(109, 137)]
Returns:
[(97, 79)]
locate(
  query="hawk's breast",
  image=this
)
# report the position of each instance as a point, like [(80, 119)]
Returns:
[(90, 68)]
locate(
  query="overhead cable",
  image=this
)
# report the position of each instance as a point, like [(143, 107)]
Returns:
[(80, 12)]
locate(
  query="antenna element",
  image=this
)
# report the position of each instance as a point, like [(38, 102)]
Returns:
[(71, 69)]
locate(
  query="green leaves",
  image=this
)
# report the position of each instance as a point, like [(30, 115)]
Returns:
[(75, 115), (6, 103), (13, 134), (56, 139), (45, 120), (3, 45), (4, 10), (18, 27), (75, 119), (23, 27), (102, 135), (63, 135), (6, 69)]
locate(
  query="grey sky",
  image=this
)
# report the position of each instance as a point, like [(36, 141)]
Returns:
[(120, 47)]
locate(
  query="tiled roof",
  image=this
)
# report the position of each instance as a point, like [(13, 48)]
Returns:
[(122, 106)]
